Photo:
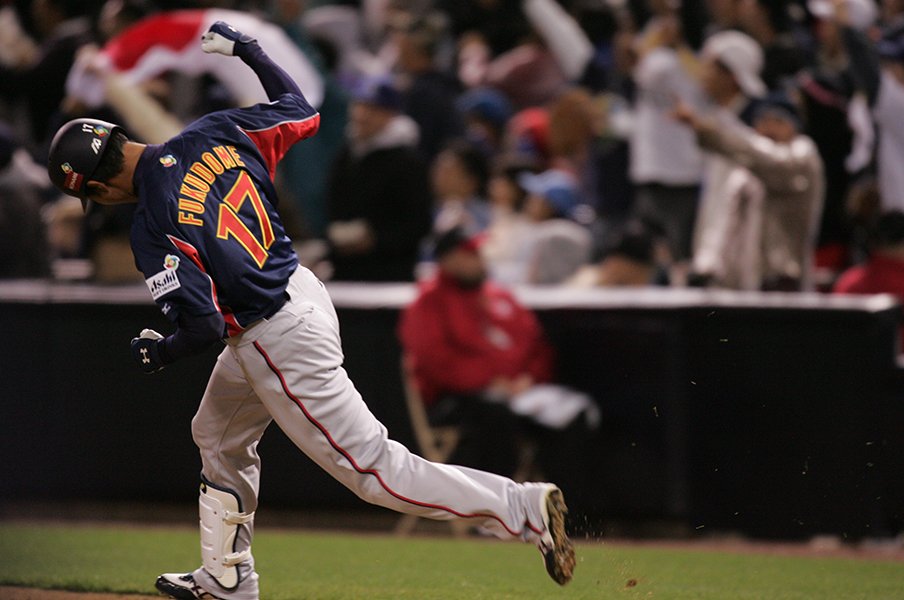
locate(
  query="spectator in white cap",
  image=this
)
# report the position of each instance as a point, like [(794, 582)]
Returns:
[(731, 79), (732, 62), (771, 201)]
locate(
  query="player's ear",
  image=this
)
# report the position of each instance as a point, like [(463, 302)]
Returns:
[(98, 191)]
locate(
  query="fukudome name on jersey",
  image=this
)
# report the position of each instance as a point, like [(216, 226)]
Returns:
[(163, 282)]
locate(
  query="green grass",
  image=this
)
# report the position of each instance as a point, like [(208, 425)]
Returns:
[(324, 566)]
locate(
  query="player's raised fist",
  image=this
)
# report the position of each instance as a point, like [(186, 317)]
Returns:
[(222, 37)]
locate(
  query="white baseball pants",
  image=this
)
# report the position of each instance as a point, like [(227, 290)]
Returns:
[(289, 369)]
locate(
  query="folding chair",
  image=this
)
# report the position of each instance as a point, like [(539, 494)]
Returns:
[(436, 444)]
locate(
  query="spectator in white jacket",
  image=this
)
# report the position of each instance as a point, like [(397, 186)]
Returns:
[(771, 200), (731, 63)]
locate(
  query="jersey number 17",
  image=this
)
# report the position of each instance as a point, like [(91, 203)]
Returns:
[(229, 223)]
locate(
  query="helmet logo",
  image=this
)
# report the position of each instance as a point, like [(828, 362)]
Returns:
[(67, 168), (73, 181), (98, 130), (168, 161)]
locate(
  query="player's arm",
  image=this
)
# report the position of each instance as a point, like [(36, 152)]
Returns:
[(225, 39), (152, 351), (185, 294), (273, 127)]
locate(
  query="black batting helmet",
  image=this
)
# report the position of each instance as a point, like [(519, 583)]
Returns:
[(75, 153)]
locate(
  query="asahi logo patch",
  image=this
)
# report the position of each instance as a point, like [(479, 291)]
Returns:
[(163, 283)]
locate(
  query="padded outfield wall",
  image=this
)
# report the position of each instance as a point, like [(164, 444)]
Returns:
[(773, 415)]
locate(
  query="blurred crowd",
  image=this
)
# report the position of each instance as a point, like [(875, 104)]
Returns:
[(740, 144)]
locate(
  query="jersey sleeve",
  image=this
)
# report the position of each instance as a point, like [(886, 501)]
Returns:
[(176, 277), (277, 126)]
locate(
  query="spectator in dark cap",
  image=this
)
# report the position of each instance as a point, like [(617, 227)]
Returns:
[(480, 359), (780, 106), (457, 238), (485, 112), (378, 192), (379, 92)]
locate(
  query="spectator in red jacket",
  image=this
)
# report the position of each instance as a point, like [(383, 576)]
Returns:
[(480, 359), (883, 272)]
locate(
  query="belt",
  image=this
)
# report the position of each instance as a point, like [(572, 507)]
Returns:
[(275, 309)]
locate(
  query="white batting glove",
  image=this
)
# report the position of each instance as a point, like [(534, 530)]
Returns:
[(149, 334), (222, 37)]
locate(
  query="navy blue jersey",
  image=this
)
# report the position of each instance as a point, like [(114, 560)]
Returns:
[(206, 233)]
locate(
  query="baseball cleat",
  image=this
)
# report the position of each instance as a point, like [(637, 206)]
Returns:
[(183, 587), (554, 544)]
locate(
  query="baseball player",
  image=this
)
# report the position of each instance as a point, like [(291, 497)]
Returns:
[(208, 238)]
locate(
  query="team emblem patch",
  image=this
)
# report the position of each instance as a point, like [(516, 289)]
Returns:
[(171, 261), (67, 168), (168, 160), (101, 131), (163, 283)]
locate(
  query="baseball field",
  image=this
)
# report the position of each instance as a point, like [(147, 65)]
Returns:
[(295, 565)]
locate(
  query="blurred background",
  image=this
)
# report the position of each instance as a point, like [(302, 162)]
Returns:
[(650, 249)]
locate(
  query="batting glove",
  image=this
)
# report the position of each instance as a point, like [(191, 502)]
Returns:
[(222, 37), (146, 351)]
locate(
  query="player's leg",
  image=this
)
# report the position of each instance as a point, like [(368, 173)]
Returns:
[(294, 362), (227, 427)]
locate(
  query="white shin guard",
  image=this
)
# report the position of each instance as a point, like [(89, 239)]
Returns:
[(220, 520)]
